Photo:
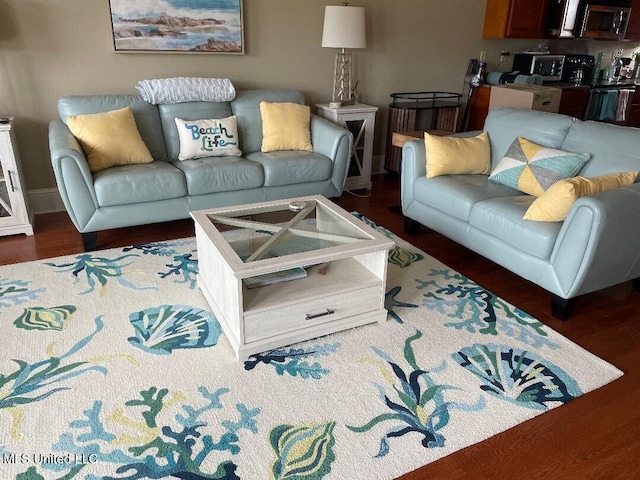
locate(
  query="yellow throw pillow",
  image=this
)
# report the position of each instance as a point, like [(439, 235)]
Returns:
[(554, 204), (109, 139), (285, 126), (457, 155)]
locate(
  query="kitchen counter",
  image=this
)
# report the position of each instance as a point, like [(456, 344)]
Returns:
[(629, 82)]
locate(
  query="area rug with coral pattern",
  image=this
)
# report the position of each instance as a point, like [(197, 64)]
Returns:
[(112, 366)]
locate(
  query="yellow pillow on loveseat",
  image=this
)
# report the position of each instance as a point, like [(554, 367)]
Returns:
[(457, 155), (554, 204)]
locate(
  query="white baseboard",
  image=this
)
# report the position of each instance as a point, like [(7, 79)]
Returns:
[(45, 200)]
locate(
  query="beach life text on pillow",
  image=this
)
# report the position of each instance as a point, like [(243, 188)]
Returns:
[(208, 137)]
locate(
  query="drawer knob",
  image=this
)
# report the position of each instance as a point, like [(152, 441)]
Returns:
[(316, 315)]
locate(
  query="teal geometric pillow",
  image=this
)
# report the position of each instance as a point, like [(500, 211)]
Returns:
[(532, 168)]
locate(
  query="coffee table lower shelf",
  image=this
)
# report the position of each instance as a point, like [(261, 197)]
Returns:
[(317, 326)]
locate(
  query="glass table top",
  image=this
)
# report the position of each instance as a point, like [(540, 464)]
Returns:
[(264, 232)]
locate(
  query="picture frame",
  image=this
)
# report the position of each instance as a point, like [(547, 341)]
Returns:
[(177, 26)]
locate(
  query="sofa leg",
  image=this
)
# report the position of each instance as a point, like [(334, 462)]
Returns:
[(636, 284), (410, 226), (90, 241), (561, 308)]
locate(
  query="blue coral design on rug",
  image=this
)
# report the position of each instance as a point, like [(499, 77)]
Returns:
[(114, 366)]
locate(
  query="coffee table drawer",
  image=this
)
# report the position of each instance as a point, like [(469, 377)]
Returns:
[(286, 318)]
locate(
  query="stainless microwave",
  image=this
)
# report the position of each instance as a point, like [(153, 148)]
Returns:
[(549, 67), (605, 20)]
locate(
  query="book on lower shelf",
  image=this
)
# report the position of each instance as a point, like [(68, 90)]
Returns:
[(275, 277)]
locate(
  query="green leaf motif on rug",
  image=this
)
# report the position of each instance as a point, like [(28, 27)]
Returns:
[(98, 271), (477, 310), (33, 382), (290, 360), (160, 330), (391, 303), (43, 318), (15, 292), (518, 376), (185, 265), (165, 441), (415, 402), (303, 451)]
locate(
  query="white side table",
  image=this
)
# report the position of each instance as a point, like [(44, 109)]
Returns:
[(360, 120), (15, 214)]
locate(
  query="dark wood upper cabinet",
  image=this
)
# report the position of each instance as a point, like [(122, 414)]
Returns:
[(515, 19), (633, 27)]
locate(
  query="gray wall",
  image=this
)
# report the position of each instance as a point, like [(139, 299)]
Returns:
[(50, 48)]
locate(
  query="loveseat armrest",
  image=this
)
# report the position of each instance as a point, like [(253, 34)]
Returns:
[(334, 142), (72, 173), (597, 246)]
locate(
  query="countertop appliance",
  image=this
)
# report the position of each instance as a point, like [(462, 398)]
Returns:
[(605, 19), (548, 66), (578, 69)]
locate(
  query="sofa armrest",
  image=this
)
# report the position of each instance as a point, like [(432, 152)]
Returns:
[(598, 244), (414, 166), (73, 176), (334, 142)]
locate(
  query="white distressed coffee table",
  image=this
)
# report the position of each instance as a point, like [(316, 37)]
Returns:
[(344, 260)]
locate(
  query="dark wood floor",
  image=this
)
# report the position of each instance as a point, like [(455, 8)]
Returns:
[(595, 436)]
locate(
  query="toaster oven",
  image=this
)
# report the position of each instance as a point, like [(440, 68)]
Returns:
[(549, 67)]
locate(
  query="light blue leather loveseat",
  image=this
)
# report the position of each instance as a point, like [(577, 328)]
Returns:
[(597, 246), (168, 189)]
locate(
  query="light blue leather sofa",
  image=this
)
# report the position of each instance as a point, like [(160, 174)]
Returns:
[(168, 189), (597, 246)]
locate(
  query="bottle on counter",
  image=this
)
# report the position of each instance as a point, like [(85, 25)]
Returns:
[(616, 67)]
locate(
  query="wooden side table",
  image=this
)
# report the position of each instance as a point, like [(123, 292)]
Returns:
[(15, 214), (360, 120)]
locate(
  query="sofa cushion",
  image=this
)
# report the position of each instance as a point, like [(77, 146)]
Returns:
[(215, 137), (246, 106), (613, 148), (285, 126), (457, 155), (146, 115), (187, 111), (138, 183), (291, 167), (502, 218), (109, 138), (220, 174), (456, 195), (533, 168), (555, 203), (505, 124)]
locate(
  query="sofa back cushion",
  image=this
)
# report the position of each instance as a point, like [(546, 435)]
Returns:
[(146, 116), (505, 124), (188, 111), (613, 148), (246, 106)]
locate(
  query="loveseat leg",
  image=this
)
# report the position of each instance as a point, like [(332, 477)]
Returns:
[(561, 308), (636, 284), (410, 226), (90, 241)]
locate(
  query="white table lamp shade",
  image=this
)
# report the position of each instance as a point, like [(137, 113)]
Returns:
[(344, 27)]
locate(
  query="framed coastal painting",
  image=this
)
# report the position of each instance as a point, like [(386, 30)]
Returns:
[(174, 26)]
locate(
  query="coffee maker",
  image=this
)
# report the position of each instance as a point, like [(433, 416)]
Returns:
[(578, 69)]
